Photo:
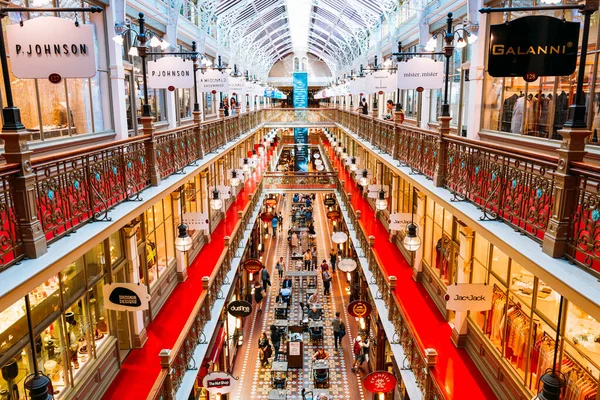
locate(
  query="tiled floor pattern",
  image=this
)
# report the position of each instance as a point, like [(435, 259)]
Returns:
[(298, 379)]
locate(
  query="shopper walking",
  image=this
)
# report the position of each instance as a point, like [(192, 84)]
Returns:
[(314, 258), (280, 267), (266, 278), (363, 352), (280, 223), (307, 260), (324, 266), (274, 222), (332, 259), (276, 340), (326, 282), (264, 349), (258, 295), (339, 329)]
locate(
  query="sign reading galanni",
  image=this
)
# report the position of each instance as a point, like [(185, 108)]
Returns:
[(469, 297), (381, 81), (49, 45), (239, 308), (126, 296), (380, 382), (359, 309), (170, 71), (533, 46), (212, 79), (219, 382), (420, 72)]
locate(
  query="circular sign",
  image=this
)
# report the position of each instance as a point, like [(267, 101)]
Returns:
[(239, 308), (54, 78), (271, 202), (380, 92), (219, 382), (320, 167), (316, 155), (214, 92), (347, 265), (530, 77), (171, 88), (266, 217), (339, 237), (334, 216), (359, 309), (380, 382), (329, 201), (253, 265), (318, 162), (420, 89)]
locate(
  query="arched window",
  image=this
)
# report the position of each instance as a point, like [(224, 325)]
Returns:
[(304, 62), (296, 64)]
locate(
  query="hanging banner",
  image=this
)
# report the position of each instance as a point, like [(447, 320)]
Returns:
[(170, 71), (195, 220), (469, 297), (359, 309), (300, 86), (125, 296), (253, 265), (239, 308), (47, 46), (398, 221), (420, 72), (212, 79), (219, 382), (533, 46), (357, 86), (380, 382), (381, 81), (301, 149), (237, 85), (347, 265)]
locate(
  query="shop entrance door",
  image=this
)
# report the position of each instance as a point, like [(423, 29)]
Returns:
[(123, 326)]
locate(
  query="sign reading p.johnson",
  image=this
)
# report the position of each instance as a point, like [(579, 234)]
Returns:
[(533, 46)]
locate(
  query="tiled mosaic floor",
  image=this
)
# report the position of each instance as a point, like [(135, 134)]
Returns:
[(340, 379)]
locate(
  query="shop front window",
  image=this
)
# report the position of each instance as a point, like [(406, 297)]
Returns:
[(440, 247), (540, 108), (160, 250), (71, 107), (184, 103)]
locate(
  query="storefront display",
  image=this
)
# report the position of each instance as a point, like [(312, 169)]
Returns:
[(521, 324), (159, 247), (440, 245)]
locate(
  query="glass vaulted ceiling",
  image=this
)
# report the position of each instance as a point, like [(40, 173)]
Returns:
[(258, 31)]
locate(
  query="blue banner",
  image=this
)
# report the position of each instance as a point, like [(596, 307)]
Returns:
[(300, 86)]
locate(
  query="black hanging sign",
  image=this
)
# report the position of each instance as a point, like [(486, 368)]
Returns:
[(533, 46), (239, 308)]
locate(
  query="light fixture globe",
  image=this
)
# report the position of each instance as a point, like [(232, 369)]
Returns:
[(234, 180), (254, 155), (261, 150), (216, 203), (381, 203), (339, 237), (364, 179), (353, 166), (245, 165), (133, 51), (411, 241), (183, 242)]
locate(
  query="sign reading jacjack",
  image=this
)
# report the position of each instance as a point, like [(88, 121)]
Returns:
[(49, 45), (469, 297)]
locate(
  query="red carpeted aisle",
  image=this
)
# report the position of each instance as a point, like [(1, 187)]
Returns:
[(455, 372), (142, 366)]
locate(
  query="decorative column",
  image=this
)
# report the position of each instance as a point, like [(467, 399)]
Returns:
[(131, 252), (441, 147), (151, 146), (197, 115), (559, 229), (463, 272), (204, 199), (417, 259), (180, 257)]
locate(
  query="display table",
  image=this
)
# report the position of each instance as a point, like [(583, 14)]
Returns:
[(281, 311), (277, 394), (295, 347)]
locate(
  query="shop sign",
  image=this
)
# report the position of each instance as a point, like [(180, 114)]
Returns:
[(347, 265), (359, 309), (224, 191), (170, 71), (212, 79), (49, 45), (357, 86), (266, 217), (375, 189), (294, 348), (398, 221), (381, 81), (239, 308), (126, 296), (469, 297), (420, 72), (195, 220), (333, 215), (219, 382), (329, 201), (533, 46), (237, 85), (380, 382), (253, 265)]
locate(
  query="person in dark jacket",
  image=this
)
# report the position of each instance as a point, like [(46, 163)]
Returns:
[(276, 340)]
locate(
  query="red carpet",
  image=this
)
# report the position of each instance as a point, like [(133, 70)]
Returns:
[(455, 372), (142, 366)]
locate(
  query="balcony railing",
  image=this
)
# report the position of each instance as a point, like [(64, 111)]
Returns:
[(70, 189), (517, 187), (307, 180), (176, 362)]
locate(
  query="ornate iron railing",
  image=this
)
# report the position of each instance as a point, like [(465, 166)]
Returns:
[(11, 248), (308, 180), (180, 359)]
